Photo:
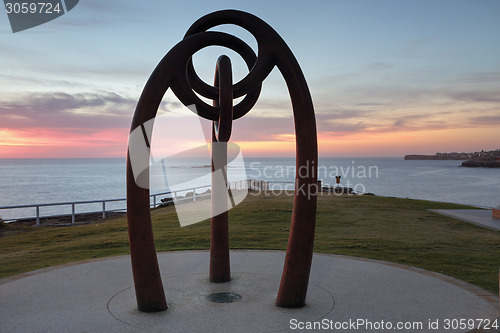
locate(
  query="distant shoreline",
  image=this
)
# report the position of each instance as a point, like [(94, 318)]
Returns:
[(482, 159), (435, 157), (481, 164)]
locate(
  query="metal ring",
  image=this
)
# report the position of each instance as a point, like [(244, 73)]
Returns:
[(184, 83), (252, 92), (224, 81), (262, 66)]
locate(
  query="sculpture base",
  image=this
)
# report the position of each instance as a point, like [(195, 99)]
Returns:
[(98, 296), (190, 303)]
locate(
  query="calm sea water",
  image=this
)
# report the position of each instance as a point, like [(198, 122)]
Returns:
[(36, 181)]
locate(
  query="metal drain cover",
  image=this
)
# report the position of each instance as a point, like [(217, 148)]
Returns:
[(224, 297)]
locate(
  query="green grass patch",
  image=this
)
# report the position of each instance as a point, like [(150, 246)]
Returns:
[(397, 230)]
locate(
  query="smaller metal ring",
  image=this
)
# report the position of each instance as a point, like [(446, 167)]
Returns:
[(224, 80)]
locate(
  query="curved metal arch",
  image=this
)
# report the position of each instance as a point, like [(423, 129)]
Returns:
[(175, 71)]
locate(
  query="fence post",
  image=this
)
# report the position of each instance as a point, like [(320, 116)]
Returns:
[(37, 215), (194, 195), (154, 201), (103, 209), (73, 213)]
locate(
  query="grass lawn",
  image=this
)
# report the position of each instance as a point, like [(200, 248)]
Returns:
[(391, 229)]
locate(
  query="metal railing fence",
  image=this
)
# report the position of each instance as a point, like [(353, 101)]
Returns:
[(189, 194)]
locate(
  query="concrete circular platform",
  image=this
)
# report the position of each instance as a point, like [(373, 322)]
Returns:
[(345, 294)]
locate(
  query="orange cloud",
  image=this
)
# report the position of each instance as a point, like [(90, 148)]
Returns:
[(112, 142), (267, 148), (381, 143), (55, 143), (407, 142)]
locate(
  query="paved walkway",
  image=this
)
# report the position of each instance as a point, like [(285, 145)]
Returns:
[(481, 217), (98, 296)]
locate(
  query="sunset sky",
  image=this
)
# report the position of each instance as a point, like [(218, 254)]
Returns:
[(388, 78)]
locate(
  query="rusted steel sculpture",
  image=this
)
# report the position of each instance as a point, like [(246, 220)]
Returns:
[(221, 132), (176, 71)]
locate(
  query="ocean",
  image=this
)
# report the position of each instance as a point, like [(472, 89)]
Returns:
[(39, 181)]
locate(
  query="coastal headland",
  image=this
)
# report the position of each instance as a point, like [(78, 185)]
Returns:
[(486, 159)]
